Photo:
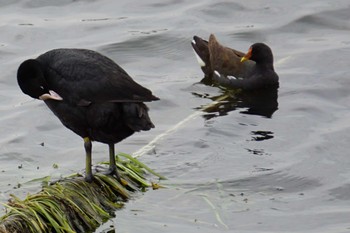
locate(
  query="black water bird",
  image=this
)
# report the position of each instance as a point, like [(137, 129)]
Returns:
[(90, 94), (253, 70)]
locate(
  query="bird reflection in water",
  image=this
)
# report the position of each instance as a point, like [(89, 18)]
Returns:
[(261, 102)]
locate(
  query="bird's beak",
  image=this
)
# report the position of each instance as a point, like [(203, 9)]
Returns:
[(51, 96), (247, 56)]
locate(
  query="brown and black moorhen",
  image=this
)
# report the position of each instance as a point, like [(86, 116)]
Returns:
[(234, 69)]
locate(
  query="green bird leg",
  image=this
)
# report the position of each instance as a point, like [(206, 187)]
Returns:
[(112, 165), (88, 148)]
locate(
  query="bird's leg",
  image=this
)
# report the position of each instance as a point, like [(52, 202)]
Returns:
[(88, 148), (112, 165)]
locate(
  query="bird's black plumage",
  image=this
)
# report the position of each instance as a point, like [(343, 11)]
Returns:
[(90, 94)]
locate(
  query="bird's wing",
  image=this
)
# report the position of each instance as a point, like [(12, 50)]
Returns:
[(84, 76), (227, 60)]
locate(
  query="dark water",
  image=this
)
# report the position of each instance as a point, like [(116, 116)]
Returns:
[(232, 168)]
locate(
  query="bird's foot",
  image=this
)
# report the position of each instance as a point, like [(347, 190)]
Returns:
[(112, 171), (89, 178)]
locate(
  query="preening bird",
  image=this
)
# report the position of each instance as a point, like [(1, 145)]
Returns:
[(91, 95)]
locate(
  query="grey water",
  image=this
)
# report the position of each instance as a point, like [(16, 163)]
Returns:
[(229, 169)]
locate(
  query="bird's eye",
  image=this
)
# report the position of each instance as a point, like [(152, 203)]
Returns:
[(41, 87)]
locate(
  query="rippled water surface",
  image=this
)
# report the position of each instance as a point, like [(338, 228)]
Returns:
[(282, 167)]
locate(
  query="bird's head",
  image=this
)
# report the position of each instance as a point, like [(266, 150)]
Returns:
[(260, 53), (31, 80)]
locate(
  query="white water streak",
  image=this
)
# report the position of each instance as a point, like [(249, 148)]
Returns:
[(152, 144)]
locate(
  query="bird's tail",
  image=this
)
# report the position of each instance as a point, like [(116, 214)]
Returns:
[(201, 51), (136, 116)]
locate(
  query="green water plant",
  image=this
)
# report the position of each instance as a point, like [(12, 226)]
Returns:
[(72, 205)]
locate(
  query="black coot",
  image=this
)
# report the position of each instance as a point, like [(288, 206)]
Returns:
[(90, 94)]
